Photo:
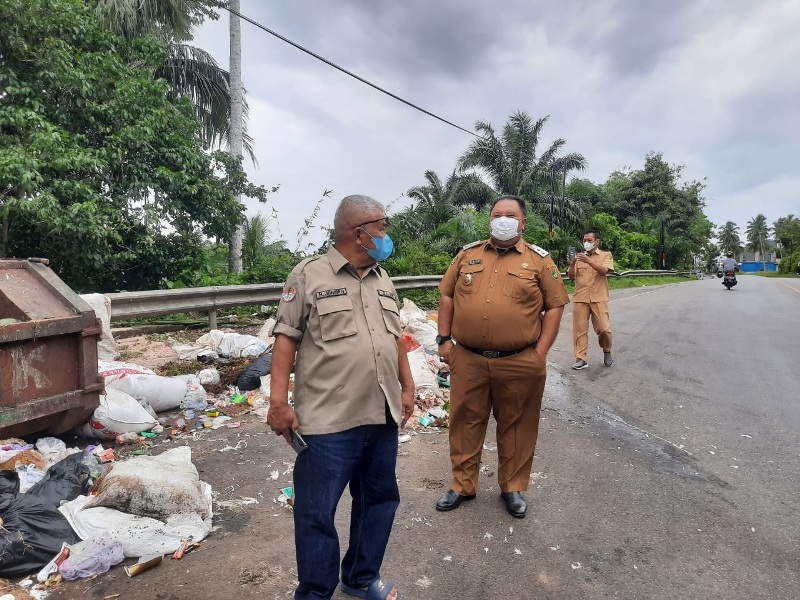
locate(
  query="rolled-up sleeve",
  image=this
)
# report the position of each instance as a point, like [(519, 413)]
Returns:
[(292, 311)]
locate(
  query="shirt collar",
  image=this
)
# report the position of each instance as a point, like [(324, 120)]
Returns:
[(339, 262), (519, 246)]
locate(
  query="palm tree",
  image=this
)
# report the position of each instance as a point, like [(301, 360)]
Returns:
[(757, 231), (728, 236), (511, 163), (192, 72)]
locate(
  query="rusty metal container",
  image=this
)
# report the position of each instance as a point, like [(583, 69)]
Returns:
[(48, 359)]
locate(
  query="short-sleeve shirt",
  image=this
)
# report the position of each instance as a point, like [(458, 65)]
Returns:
[(591, 286), (346, 368), (498, 296)]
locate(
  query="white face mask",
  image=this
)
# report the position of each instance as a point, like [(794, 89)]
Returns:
[(504, 228), (588, 246)]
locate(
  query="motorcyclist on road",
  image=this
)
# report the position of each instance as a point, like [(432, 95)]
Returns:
[(729, 263)]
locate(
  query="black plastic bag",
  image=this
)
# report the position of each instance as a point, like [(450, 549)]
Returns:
[(250, 378), (33, 529)]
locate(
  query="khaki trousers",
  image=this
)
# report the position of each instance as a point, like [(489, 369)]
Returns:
[(511, 388), (581, 311)]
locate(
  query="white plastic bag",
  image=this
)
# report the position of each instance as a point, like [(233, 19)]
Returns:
[(208, 376), (233, 345), (196, 396), (424, 332), (411, 312), (118, 413), (106, 346), (424, 378), (162, 393), (139, 536), (93, 556)]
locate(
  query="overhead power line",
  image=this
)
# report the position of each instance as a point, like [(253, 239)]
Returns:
[(346, 72)]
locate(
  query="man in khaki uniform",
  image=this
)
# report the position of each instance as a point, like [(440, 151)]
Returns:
[(589, 270), (339, 322), (493, 297)]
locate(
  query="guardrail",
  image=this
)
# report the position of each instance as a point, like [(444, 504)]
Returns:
[(156, 303)]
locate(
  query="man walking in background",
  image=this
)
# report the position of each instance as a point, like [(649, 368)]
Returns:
[(589, 271)]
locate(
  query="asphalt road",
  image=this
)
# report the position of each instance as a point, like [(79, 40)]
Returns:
[(672, 474)]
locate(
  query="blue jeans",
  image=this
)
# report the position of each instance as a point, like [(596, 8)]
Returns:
[(365, 457)]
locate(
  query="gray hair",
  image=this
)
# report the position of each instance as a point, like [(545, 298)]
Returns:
[(351, 206)]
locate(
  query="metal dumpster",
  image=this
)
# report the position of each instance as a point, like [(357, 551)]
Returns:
[(48, 352)]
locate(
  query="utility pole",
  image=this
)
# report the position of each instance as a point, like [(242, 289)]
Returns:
[(235, 126), (552, 195)]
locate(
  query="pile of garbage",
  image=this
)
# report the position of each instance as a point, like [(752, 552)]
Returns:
[(69, 513)]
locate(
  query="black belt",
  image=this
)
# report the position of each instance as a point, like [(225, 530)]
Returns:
[(497, 353)]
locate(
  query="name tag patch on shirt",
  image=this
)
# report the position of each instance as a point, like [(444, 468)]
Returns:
[(475, 261), (386, 294), (329, 293)]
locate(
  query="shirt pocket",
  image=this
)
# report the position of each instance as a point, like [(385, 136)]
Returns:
[(391, 316), (469, 278), (521, 283), (336, 318)]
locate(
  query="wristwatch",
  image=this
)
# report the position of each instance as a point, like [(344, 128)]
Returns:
[(441, 339)]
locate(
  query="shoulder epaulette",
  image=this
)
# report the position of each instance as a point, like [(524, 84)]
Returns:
[(472, 245), (303, 263), (540, 251)]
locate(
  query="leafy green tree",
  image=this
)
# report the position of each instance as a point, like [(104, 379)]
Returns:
[(631, 250), (787, 232), (191, 71), (95, 155)]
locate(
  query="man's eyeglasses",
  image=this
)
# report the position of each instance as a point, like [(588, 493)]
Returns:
[(384, 219)]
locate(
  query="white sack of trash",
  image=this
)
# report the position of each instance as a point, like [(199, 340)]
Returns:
[(147, 503), (116, 414)]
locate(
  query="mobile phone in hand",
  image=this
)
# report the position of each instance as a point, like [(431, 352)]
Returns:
[(571, 253), (298, 443)]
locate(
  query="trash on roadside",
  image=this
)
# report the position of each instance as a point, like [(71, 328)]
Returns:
[(144, 563), (128, 438), (147, 503), (286, 497), (117, 413), (33, 530), (93, 556), (208, 376), (404, 438), (250, 378), (185, 547)]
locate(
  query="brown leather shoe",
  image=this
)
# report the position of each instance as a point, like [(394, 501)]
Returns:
[(515, 504), (451, 501)]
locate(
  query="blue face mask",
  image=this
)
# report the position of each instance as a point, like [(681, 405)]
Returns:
[(383, 247)]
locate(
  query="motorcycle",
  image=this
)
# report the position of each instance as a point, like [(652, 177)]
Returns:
[(729, 279)]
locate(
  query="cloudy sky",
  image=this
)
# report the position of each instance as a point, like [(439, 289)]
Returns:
[(712, 84)]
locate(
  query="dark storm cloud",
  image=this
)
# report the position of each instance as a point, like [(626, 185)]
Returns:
[(414, 38), (631, 37)]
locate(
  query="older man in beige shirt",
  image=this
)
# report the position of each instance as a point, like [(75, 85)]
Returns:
[(339, 322)]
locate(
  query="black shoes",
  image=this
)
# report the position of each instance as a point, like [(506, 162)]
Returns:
[(451, 501), (515, 504), (607, 360)]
